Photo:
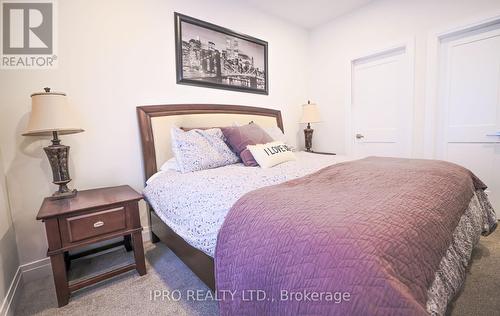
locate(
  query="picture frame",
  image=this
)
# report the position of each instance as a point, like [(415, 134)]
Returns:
[(211, 56)]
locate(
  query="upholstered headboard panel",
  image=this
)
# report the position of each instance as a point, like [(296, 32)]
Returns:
[(161, 127), (155, 122)]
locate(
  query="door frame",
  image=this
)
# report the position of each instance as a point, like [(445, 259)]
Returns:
[(433, 108), (408, 46)]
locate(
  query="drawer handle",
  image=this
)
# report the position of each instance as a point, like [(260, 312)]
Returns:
[(98, 224)]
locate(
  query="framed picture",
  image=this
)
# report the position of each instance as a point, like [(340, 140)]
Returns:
[(211, 56)]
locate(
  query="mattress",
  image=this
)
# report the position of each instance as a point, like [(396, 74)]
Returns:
[(194, 205)]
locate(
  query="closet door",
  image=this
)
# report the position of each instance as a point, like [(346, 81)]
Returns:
[(469, 98), (381, 105)]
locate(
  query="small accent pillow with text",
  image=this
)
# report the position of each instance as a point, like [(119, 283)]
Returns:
[(271, 154), (201, 149)]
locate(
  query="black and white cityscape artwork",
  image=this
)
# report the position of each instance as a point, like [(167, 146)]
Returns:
[(215, 57)]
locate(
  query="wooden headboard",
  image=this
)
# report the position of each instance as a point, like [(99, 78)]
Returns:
[(155, 122)]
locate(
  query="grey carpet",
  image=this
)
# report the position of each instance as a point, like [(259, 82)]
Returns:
[(130, 294)]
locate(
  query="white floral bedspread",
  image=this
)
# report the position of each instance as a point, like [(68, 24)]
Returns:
[(195, 204)]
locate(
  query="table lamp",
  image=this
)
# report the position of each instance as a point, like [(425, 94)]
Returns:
[(310, 114), (51, 115)]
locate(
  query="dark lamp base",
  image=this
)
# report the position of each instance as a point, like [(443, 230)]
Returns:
[(308, 134), (63, 195), (58, 158)]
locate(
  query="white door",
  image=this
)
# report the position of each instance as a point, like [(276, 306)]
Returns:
[(381, 105), (469, 101)]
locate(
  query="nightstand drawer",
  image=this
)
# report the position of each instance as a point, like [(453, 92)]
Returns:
[(95, 224)]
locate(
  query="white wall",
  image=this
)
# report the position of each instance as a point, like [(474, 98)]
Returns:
[(9, 260), (117, 54), (375, 26), (114, 56)]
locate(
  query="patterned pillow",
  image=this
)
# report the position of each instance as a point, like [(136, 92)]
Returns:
[(239, 137), (170, 164), (201, 149)]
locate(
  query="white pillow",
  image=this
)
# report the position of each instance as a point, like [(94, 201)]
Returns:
[(170, 164), (277, 134), (271, 154), (201, 149)]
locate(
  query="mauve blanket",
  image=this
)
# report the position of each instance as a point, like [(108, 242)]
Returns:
[(357, 238)]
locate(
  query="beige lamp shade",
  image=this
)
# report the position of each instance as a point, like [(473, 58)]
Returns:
[(310, 113), (50, 112)]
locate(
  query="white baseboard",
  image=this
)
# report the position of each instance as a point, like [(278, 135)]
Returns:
[(9, 303), (146, 233), (36, 270)]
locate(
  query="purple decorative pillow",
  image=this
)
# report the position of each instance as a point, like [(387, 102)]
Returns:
[(239, 137)]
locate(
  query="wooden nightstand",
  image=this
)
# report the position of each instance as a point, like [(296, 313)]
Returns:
[(320, 153), (89, 217)]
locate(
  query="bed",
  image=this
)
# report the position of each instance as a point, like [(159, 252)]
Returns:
[(245, 227)]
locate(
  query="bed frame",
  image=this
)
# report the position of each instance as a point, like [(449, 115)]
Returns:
[(200, 263)]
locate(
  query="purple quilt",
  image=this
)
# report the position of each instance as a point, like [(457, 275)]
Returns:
[(357, 238)]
